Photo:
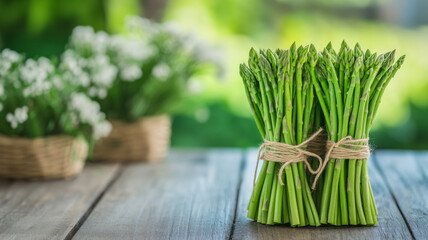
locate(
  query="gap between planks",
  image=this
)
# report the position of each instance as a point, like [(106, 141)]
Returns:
[(242, 167), (86, 214)]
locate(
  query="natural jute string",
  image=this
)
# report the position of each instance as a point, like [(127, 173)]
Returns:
[(287, 154), (345, 148)]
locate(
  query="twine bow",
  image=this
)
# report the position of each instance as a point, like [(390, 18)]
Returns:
[(345, 148), (287, 154)]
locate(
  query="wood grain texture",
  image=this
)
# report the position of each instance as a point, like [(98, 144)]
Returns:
[(50, 209), (407, 175), (391, 225), (185, 197)]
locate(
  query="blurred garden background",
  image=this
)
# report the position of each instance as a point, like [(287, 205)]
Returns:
[(216, 114)]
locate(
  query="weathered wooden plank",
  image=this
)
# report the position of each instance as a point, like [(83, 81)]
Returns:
[(182, 198), (390, 222), (51, 209), (407, 175)]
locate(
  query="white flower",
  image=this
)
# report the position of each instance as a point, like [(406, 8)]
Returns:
[(104, 76), (72, 66), (102, 130), (173, 29), (161, 71), (84, 110), (11, 119), (130, 73), (131, 49), (36, 76), (19, 116), (97, 92), (7, 59), (87, 111), (71, 61), (37, 89), (194, 86), (93, 91), (102, 93), (141, 25), (4, 67), (10, 55), (36, 71), (202, 115), (83, 79), (57, 82), (84, 39)]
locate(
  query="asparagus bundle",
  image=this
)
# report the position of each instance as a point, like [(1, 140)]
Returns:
[(281, 96), (349, 86)]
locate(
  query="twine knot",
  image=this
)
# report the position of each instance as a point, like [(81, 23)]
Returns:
[(288, 154), (345, 148)]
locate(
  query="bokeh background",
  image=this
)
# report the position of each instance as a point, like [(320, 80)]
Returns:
[(217, 114)]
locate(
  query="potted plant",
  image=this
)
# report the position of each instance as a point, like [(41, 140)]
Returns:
[(46, 128), (136, 77)]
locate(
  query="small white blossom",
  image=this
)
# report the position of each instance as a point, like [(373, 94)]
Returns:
[(100, 93), (84, 110), (102, 130), (19, 116), (36, 74), (104, 76), (131, 73), (141, 25), (4, 67), (194, 86), (36, 71), (129, 49), (161, 71), (87, 110), (57, 82), (84, 39), (173, 29), (202, 115), (11, 119), (72, 66), (7, 59), (10, 55)]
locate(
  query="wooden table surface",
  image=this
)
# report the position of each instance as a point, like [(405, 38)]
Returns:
[(198, 194)]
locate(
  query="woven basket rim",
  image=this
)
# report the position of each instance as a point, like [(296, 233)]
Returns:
[(139, 119), (146, 139), (19, 138)]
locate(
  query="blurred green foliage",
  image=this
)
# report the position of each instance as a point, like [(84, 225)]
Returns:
[(219, 116)]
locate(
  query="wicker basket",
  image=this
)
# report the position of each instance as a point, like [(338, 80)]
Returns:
[(145, 140), (42, 158)]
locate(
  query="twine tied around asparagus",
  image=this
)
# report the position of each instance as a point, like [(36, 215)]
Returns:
[(288, 154), (345, 148)]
